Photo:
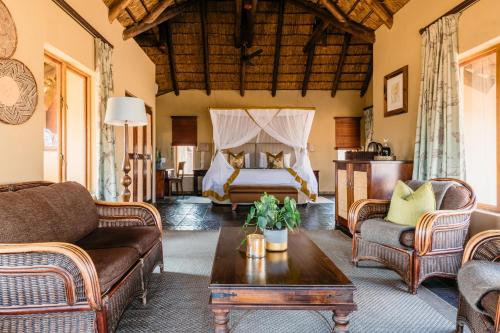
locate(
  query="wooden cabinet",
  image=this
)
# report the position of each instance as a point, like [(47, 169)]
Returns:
[(356, 180)]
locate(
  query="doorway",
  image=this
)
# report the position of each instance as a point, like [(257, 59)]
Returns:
[(67, 94)]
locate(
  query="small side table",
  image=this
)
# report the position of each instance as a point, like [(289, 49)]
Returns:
[(197, 173)]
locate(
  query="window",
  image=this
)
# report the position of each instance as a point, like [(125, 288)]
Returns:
[(185, 154), (480, 91)]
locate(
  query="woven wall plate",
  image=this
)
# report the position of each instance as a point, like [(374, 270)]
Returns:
[(8, 33), (18, 92)]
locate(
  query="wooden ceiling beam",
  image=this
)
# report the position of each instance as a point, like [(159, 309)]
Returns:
[(277, 47), (355, 29), (319, 25), (381, 11), (335, 10), (317, 34), (156, 11), (116, 8), (248, 24), (368, 77), (166, 38), (243, 69), (204, 36), (169, 14), (237, 22), (340, 65)]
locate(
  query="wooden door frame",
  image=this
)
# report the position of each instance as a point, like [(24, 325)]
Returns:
[(62, 118), (149, 110)]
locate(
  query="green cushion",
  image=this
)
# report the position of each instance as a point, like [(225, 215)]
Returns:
[(407, 206)]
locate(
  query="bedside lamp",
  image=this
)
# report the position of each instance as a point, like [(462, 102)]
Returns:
[(126, 111), (202, 148)]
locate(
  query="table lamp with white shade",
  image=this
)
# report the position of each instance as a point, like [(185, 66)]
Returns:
[(126, 111), (202, 148)]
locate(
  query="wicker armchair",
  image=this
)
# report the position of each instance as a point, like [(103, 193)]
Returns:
[(483, 246), (435, 246), (54, 286)]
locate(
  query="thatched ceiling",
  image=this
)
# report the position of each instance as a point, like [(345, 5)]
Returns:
[(323, 45)]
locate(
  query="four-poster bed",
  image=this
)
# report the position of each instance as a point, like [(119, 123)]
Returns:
[(244, 130)]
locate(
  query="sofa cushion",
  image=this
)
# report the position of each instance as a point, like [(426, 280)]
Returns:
[(111, 264), (63, 212), (456, 197), (407, 206), (140, 238), (489, 302), (407, 237)]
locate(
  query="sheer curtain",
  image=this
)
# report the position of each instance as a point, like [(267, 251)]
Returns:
[(231, 128), (291, 127), (106, 179), (439, 148)]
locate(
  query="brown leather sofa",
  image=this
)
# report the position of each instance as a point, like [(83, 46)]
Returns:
[(69, 263)]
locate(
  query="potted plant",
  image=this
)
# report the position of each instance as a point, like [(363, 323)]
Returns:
[(274, 221)]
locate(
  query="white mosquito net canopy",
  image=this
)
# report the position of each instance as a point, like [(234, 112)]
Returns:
[(235, 127)]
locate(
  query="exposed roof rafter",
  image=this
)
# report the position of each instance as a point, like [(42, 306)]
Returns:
[(116, 8), (340, 65), (351, 27), (169, 14), (277, 47), (381, 11)]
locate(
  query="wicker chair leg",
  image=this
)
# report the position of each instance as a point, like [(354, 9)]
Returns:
[(162, 268), (460, 328), (144, 297)]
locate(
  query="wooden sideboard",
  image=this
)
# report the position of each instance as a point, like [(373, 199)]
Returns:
[(356, 180)]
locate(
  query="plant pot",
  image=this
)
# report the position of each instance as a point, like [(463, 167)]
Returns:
[(276, 240)]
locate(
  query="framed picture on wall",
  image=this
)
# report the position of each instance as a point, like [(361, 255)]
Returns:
[(396, 92)]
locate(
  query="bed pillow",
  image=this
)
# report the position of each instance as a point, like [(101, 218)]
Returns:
[(262, 160), (275, 161), (237, 161), (286, 160), (247, 161), (407, 206)]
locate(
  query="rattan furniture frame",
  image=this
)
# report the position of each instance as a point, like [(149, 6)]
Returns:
[(54, 286), (439, 240), (482, 246)]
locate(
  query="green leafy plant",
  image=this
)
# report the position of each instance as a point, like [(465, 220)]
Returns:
[(267, 214)]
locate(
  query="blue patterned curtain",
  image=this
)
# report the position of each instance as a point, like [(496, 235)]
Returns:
[(439, 145), (106, 189)]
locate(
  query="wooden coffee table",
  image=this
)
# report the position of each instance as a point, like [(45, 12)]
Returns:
[(301, 278)]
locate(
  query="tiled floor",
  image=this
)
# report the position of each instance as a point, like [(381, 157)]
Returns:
[(178, 215), (187, 216)]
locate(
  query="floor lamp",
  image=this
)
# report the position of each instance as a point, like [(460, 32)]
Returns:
[(126, 111)]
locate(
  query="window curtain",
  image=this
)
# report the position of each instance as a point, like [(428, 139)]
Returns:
[(439, 147), (106, 188), (368, 118)]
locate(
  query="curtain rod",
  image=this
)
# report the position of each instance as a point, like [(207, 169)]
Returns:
[(457, 9), (80, 20)]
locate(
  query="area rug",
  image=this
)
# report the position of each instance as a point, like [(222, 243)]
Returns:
[(178, 298)]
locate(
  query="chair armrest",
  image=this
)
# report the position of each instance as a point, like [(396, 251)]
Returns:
[(483, 246), (442, 230), (42, 274), (365, 209), (125, 214)]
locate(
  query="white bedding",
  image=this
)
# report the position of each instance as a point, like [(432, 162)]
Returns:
[(265, 177)]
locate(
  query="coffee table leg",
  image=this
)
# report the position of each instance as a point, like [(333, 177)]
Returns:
[(221, 320), (341, 320)]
